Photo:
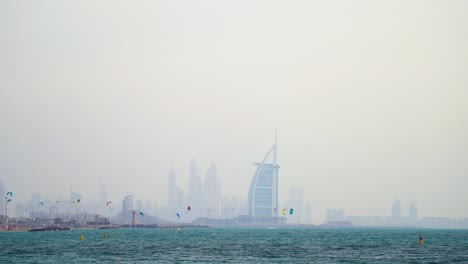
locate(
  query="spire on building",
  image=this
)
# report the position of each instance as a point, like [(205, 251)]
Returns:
[(263, 192)]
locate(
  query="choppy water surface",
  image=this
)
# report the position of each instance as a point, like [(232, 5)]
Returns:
[(236, 245)]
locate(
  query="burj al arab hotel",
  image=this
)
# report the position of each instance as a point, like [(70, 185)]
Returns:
[(263, 192)]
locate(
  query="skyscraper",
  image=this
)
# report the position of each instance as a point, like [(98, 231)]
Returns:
[(171, 190), (2, 200), (212, 192), (195, 195), (20, 210), (413, 212), (396, 210), (263, 192), (296, 201), (175, 201), (35, 199), (308, 213), (335, 215), (179, 199), (127, 204)]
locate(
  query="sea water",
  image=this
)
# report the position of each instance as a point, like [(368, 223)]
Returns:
[(236, 245)]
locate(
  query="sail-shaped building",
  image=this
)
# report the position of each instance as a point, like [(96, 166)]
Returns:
[(263, 192)]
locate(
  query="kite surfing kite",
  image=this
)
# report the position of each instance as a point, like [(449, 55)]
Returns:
[(108, 202), (178, 215), (285, 210)]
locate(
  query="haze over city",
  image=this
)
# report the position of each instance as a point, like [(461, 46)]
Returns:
[(369, 100)]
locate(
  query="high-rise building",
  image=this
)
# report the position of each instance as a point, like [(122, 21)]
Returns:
[(195, 195), (230, 207), (175, 195), (195, 182), (263, 192), (148, 207), (2, 201), (396, 210), (34, 200), (212, 192), (20, 210), (413, 212), (335, 215), (296, 201), (139, 205), (171, 190), (308, 213), (127, 204), (179, 202), (33, 206)]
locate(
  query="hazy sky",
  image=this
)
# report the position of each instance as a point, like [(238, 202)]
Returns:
[(370, 99)]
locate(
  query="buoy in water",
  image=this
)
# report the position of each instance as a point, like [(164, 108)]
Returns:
[(105, 234), (421, 242), (81, 237)]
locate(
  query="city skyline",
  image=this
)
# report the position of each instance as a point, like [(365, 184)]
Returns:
[(398, 215), (247, 131), (369, 99), (69, 210), (184, 198), (204, 193)]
